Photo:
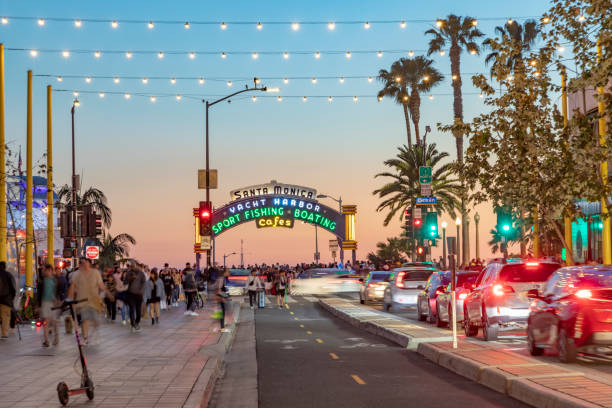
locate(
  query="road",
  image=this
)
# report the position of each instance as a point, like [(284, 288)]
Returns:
[(307, 358)]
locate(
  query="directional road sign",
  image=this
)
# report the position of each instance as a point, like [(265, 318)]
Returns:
[(426, 200), (425, 174)]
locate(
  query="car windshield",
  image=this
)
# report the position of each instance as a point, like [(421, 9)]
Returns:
[(593, 279), (421, 275), (527, 272), (377, 277), (464, 278)]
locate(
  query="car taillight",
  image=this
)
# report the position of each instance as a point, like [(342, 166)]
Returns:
[(584, 294), (462, 296), (372, 285), (439, 291), (533, 263), (399, 281), (501, 290)]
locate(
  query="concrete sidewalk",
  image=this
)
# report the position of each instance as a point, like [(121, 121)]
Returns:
[(527, 379), (173, 364)]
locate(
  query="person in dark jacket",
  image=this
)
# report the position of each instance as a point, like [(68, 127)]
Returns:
[(190, 288), (7, 296), (49, 295)]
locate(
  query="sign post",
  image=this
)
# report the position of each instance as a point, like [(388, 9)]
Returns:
[(92, 252)]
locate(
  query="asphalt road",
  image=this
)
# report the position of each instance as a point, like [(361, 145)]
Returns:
[(307, 358)]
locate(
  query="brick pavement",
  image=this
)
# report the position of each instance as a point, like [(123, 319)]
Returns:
[(157, 367)]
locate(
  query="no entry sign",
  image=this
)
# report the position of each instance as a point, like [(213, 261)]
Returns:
[(92, 252)]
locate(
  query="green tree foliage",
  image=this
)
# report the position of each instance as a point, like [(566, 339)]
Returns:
[(394, 250), (92, 196), (115, 248), (523, 35)]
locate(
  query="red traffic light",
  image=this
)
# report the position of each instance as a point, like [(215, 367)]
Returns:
[(204, 214), (417, 222), (420, 250)]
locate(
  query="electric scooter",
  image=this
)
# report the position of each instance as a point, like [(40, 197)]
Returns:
[(87, 385)]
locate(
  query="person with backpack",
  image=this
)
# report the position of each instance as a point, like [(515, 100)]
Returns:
[(49, 295), (7, 296), (260, 288), (154, 292), (252, 287), (281, 286), (190, 288), (135, 292)]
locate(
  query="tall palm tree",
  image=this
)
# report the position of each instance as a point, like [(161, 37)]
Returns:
[(395, 87), (92, 196), (458, 33), (393, 250), (524, 35), (114, 248), (400, 192)]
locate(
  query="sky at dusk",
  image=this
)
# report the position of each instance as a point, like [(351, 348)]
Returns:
[(144, 155)]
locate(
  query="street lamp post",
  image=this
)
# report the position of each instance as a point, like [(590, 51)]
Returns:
[(458, 223), (73, 203), (444, 225), (208, 106), (339, 201), (225, 256), (476, 221)]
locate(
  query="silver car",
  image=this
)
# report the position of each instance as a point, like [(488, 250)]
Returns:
[(499, 300), (404, 287), (465, 284), (373, 286)]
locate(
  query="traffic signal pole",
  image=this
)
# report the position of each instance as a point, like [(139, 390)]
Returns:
[(607, 233), (29, 239), (50, 237)]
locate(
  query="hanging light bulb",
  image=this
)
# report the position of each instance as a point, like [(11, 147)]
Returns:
[(101, 94), (173, 81), (187, 26), (546, 20), (76, 94), (581, 18), (329, 98), (304, 99), (561, 49), (279, 98), (78, 23), (380, 54), (127, 96), (439, 23), (153, 99), (145, 80), (402, 24), (481, 96), (509, 78), (348, 54), (473, 51), (405, 98), (341, 80), (4, 20), (366, 25), (379, 98), (355, 98), (223, 55), (178, 97), (160, 55), (426, 78), (398, 79), (128, 55), (192, 55), (97, 54), (317, 55), (116, 80), (257, 81), (255, 55), (41, 22), (223, 26), (430, 96), (537, 74), (254, 98), (33, 53), (88, 80), (295, 26), (442, 52), (114, 24), (150, 25), (474, 22), (534, 63), (410, 53), (314, 80), (60, 79), (370, 79), (201, 81), (65, 54), (259, 26), (331, 25), (286, 55), (454, 77), (229, 83), (286, 80), (510, 21)]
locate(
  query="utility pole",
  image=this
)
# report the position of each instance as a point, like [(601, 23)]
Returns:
[(476, 221), (241, 255)]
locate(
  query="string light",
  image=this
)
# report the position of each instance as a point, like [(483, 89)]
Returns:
[(286, 80), (355, 98), (173, 81), (295, 26), (474, 22), (405, 98), (97, 54), (229, 83), (348, 54), (380, 54), (331, 25), (366, 25), (509, 78), (379, 98), (255, 55), (160, 55), (317, 55), (304, 99), (442, 52), (65, 54), (402, 24), (581, 18), (257, 81), (341, 80), (561, 49), (314, 80), (150, 25), (101, 94), (223, 26), (145, 80), (254, 98), (370, 79), (330, 98), (454, 77), (279, 98), (192, 55), (127, 96), (201, 81), (286, 55), (114, 24), (533, 63), (410, 53), (398, 79), (153, 99), (178, 97), (481, 96), (128, 55), (33, 53), (78, 23), (4, 20), (116, 80), (439, 23), (88, 80), (59, 79), (259, 26), (510, 21), (223, 55), (537, 74), (41, 22), (426, 78), (75, 93), (431, 96), (546, 20), (473, 51), (187, 26)]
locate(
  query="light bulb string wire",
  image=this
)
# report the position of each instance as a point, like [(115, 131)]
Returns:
[(209, 52)]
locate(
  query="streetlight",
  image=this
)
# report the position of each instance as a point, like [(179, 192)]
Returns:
[(208, 106), (476, 221), (225, 256), (458, 223), (339, 201), (75, 104), (444, 225)]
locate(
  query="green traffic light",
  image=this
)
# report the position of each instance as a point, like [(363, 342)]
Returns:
[(506, 227)]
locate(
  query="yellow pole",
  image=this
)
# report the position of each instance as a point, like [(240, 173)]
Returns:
[(50, 220), (536, 234), (3, 249), (606, 236), (566, 220), (29, 185)]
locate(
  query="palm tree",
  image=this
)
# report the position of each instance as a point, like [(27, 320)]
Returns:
[(459, 33), (92, 196), (392, 250), (114, 248), (395, 87), (400, 192), (524, 35)]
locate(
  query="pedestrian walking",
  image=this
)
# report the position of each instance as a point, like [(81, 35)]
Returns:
[(190, 288), (281, 285), (86, 283), (121, 290), (111, 305), (154, 292), (7, 296), (261, 293), (166, 277), (135, 292), (222, 296), (49, 295), (176, 292), (252, 288)]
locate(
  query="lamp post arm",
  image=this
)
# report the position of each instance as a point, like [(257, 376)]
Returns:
[(234, 94)]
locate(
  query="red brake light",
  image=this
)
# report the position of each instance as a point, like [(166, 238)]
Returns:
[(372, 285), (584, 294), (399, 281), (439, 291), (500, 290), (533, 263), (462, 296)]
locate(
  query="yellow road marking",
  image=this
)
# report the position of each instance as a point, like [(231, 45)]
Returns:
[(287, 305), (334, 356), (302, 326), (358, 380), (319, 340), (295, 318), (291, 313), (308, 332)]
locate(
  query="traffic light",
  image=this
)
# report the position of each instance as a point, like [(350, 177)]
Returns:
[(420, 250), (417, 224), (431, 225), (408, 221), (93, 223), (504, 222), (205, 218)]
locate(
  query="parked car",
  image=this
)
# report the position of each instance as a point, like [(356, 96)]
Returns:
[(373, 286), (427, 299), (499, 299), (421, 264), (464, 285), (236, 281), (573, 313), (318, 281), (404, 287)]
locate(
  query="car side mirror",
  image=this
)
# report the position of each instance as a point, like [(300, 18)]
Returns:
[(533, 294)]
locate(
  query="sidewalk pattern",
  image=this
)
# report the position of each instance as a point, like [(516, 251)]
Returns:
[(157, 367)]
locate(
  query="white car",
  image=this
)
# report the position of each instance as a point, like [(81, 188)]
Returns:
[(319, 281), (404, 287)]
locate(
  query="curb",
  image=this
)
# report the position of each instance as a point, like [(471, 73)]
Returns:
[(202, 390)]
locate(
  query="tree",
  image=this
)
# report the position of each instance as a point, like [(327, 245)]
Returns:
[(400, 192), (92, 196), (391, 251), (459, 33), (394, 87), (524, 35), (114, 248)]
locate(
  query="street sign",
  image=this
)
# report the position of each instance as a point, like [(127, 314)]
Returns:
[(92, 252), (425, 174), (426, 189), (202, 179), (206, 243), (417, 212), (333, 245), (426, 200)]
